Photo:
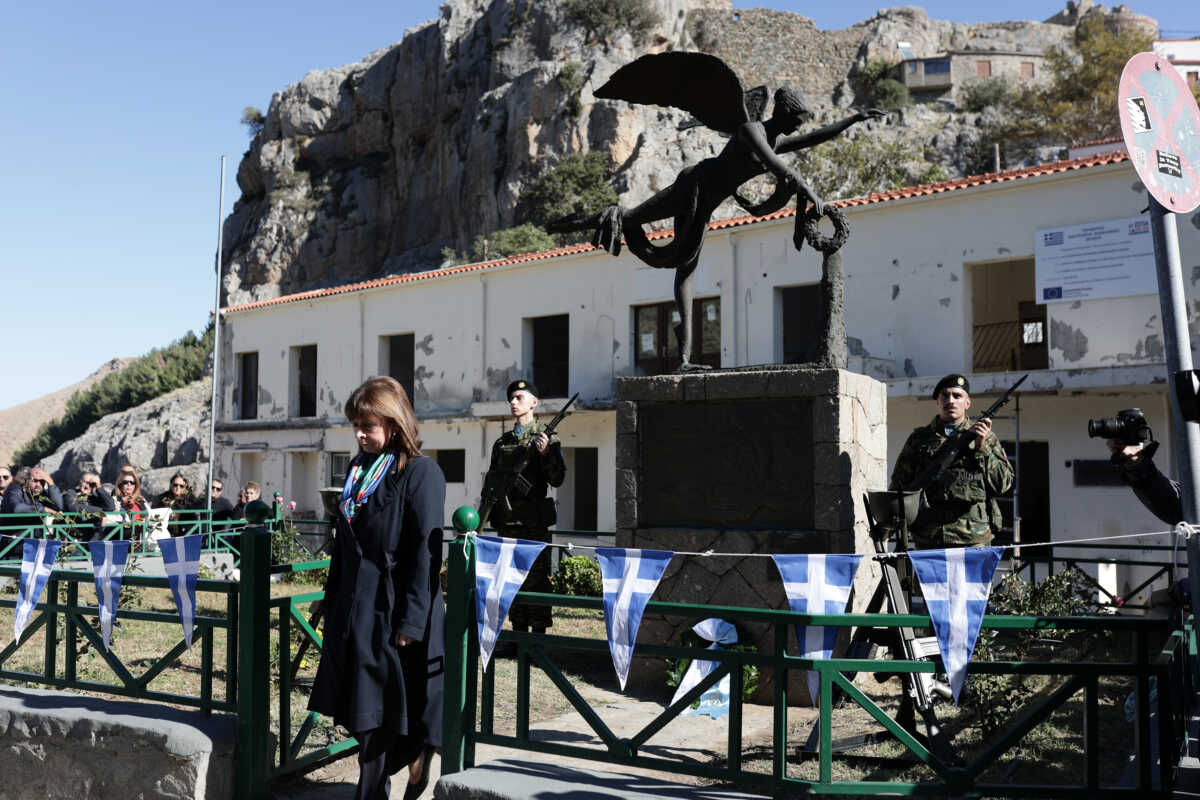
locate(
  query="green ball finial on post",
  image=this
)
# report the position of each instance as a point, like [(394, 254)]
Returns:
[(465, 519)]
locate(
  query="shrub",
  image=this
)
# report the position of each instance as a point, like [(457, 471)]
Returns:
[(890, 95), (253, 119), (578, 576), (875, 70), (980, 94), (525, 238), (578, 184), (604, 19), (571, 77)]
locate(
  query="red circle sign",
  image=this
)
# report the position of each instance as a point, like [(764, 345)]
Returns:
[(1161, 125)]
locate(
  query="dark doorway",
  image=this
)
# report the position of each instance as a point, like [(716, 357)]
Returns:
[(1034, 488), (801, 322), (551, 354), (587, 474)]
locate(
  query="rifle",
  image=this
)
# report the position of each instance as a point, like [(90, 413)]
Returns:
[(959, 443), (497, 491)]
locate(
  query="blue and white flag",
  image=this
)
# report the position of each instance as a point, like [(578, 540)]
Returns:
[(37, 560), (715, 701), (630, 578), (181, 560), (817, 584), (501, 565), (108, 566), (956, 584)]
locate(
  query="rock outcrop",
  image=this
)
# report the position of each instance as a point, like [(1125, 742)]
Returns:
[(159, 437), (374, 168)]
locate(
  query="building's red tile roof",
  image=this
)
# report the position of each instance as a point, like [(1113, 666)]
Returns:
[(1096, 160)]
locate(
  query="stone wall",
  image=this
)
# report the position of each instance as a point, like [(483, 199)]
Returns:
[(61, 746), (752, 461)]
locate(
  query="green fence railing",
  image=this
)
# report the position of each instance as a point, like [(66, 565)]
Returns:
[(1161, 677)]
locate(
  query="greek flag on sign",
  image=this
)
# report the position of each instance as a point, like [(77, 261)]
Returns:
[(956, 584), (817, 584), (501, 566), (108, 565), (181, 560), (37, 559), (630, 578)]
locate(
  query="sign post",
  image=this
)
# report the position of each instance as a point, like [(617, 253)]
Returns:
[(1161, 127)]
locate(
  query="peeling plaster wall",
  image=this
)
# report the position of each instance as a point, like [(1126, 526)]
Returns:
[(908, 283)]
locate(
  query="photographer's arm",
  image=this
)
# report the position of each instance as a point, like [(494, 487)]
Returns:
[(1158, 493)]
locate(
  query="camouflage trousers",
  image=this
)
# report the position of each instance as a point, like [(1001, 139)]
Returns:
[(523, 615)]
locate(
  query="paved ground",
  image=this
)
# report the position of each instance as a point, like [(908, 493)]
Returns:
[(696, 738)]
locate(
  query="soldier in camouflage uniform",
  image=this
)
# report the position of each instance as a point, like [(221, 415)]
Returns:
[(528, 515), (962, 509)]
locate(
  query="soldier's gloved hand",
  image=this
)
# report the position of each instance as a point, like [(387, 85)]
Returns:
[(542, 443)]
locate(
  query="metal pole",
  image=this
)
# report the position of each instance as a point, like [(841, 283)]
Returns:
[(1177, 343), (216, 376), (1178, 346)]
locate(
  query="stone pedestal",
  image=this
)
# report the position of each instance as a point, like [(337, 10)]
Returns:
[(758, 460)]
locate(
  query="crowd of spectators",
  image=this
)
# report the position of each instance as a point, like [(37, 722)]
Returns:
[(29, 493)]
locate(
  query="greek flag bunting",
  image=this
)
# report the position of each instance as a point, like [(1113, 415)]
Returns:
[(817, 584), (630, 578), (108, 567), (181, 560), (956, 584), (501, 566), (37, 560)]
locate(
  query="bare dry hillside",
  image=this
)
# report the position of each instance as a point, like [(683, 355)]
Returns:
[(18, 424)]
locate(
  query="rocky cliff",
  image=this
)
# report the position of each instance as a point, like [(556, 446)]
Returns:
[(374, 168)]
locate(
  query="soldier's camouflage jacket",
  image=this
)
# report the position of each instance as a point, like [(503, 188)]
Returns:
[(532, 510), (962, 507)]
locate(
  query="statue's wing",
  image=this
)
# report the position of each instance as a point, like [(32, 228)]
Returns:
[(698, 83), (755, 101)]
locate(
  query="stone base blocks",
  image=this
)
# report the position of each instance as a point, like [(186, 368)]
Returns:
[(746, 461), (62, 746)]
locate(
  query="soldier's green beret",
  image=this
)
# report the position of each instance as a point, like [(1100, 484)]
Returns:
[(954, 381), (518, 385)]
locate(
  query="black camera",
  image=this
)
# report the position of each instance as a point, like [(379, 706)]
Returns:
[(1128, 427)]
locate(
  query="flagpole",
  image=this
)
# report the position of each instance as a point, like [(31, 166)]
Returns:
[(216, 373)]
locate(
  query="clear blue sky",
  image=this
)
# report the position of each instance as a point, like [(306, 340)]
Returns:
[(117, 116)]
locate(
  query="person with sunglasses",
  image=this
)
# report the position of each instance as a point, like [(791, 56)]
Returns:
[(222, 506), (36, 496), (129, 495), (91, 501)]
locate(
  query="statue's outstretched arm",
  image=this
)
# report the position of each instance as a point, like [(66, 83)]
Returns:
[(820, 135), (756, 138)]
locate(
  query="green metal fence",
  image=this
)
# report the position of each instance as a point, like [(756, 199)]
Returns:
[(1169, 670)]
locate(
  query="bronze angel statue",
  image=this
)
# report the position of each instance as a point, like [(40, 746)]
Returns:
[(707, 88)]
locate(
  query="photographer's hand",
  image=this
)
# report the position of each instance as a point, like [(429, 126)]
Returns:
[(1129, 453)]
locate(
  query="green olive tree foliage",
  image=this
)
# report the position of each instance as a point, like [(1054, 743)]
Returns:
[(852, 167), (1078, 103), (154, 374), (578, 184), (525, 238), (602, 20)]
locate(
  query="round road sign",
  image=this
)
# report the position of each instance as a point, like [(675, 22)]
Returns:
[(1161, 125)]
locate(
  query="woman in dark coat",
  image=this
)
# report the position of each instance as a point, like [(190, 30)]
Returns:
[(381, 669)]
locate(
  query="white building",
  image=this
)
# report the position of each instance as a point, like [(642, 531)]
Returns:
[(1184, 55), (938, 279)]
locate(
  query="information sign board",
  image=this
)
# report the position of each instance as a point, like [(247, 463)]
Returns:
[(1110, 258)]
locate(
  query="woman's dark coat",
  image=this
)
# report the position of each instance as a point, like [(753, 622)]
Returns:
[(384, 580)]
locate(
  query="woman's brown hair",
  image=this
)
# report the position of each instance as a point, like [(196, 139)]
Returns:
[(137, 486), (386, 399)]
